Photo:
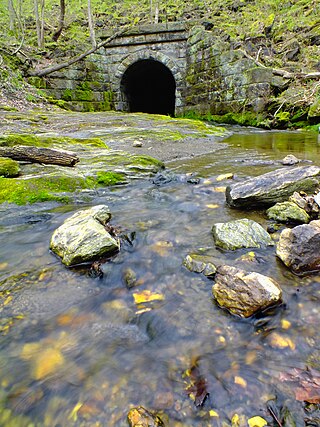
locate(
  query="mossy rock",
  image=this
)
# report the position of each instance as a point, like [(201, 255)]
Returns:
[(47, 141), (41, 189), (288, 212), (9, 168)]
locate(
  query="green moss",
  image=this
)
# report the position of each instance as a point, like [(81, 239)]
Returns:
[(47, 141), (9, 168), (67, 95), (110, 178), (7, 108), (23, 191), (244, 119)]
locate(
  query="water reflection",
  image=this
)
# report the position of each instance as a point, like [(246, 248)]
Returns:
[(79, 351)]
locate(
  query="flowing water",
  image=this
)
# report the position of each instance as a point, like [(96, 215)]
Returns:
[(78, 351)]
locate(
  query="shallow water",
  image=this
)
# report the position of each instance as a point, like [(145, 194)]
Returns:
[(95, 353)]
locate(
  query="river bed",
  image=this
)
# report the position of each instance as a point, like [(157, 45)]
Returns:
[(77, 350)]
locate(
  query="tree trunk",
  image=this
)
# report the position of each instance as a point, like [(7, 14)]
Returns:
[(57, 33), (91, 26), (40, 155)]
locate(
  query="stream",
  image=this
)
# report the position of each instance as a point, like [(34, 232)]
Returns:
[(77, 350)]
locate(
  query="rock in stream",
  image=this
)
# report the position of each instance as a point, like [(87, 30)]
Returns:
[(272, 187), (83, 237), (244, 293)]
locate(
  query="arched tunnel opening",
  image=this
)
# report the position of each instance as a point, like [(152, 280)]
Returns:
[(149, 87)]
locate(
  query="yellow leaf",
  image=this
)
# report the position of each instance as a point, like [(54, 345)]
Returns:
[(213, 413), (235, 420), (257, 422), (162, 247), (147, 296), (285, 324), (224, 176), (240, 381), (7, 300), (3, 265), (47, 362), (279, 341), (212, 206), (30, 350), (207, 182), (74, 413), (219, 189)]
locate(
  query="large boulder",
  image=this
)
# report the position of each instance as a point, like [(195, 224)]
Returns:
[(244, 293), (242, 233), (273, 187), (288, 212), (83, 237), (299, 247)]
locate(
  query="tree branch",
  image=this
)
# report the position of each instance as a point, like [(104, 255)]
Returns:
[(57, 67)]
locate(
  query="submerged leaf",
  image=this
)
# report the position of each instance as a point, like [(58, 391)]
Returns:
[(257, 422), (307, 384), (147, 296)]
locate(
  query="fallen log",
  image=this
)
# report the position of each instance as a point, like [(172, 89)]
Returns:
[(40, 155)]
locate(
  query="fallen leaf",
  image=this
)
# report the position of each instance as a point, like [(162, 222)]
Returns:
[(46, 363), (225, 176), (197, 390), (147, 296), (279, 341), (257, 422), (240, 381), (307, 384), (213, 413), (162, 247), (74, 413), (285, 324), (212, 206), (219, 189)]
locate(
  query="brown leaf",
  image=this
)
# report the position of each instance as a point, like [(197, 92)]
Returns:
[(307, 388)]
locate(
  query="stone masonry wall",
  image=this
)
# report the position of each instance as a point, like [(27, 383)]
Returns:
[(221, 80)]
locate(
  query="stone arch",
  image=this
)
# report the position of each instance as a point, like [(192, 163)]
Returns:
[(157, 62)]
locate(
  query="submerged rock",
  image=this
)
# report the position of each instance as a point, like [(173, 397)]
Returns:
[(288, 212), (83, 237), (299, 248), (140, 417), (244, 293), (200, 264), (242, 233), (273, 187)]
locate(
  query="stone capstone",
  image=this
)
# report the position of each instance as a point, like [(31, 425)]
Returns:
[(273, 187), (299, 247), (288, 212), (140, 417), (83, 237), (242, 233), (244, 293)]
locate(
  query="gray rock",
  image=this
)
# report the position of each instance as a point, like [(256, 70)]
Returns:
[(244, 293), (83, 237), (273, 187), (242, 233), (290, 160), (299, 248), (200, 264), (288, 212)]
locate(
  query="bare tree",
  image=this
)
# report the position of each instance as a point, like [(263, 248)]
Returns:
[(58, 32), (91, 26), (39, 21)]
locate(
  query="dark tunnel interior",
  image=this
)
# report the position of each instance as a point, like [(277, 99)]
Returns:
[(149, 87)]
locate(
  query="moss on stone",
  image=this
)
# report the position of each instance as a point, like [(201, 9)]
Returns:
[(47, 141), (41, 189), (110, 178), (9, 168)]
